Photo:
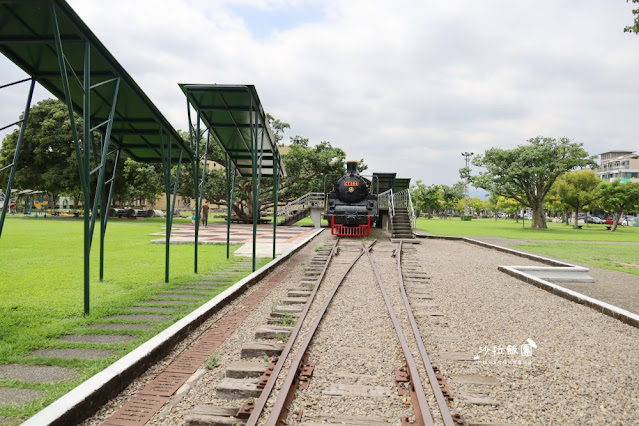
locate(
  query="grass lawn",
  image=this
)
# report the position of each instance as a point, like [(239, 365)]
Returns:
[(592, 245), (41, 283), (307, 221), (617, 257), (508, 228)]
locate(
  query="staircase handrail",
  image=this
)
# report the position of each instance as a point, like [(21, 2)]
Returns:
[(413, 217), (310, 199), (403, 199), (385, 200)]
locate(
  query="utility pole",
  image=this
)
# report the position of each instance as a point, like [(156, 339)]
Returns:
[(467, 156)]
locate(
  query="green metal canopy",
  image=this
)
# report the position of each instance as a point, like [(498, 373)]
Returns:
[(234, 116), (28, 38), (385, 181), (401, 184), (49, 41), (231, 113)]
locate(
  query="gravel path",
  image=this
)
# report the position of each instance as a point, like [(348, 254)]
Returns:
[(617, 288), (584, 365)]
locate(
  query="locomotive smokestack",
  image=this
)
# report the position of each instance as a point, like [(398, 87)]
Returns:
[(351, 168)]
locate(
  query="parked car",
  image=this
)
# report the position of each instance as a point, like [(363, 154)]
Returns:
[(595, 219), (609, 220)]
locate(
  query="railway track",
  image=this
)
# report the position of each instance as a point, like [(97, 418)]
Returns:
[(346, 340), (367, 374), (340, 345)]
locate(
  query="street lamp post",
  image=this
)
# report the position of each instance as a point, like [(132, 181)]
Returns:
[(467, 156)]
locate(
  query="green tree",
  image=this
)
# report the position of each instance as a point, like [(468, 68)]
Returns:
[(635, 27), (141, 182), (527, 172), (278, 127), (555, 204), (477, 205), (451, 195), (507, 205), (427, 198), (47, 157), (577, 189), (306, 166), (618, 198)]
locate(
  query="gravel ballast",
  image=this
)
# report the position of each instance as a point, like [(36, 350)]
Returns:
[(583, 367)]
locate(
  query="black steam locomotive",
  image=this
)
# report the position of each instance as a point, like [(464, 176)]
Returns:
[(351, 205)]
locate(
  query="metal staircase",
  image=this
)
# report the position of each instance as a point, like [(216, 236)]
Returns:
[(402, 215), (300, 208), (401, 224)]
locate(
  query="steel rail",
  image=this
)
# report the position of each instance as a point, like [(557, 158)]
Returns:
[(422, 411), (270, 384), (278, 411), (439, 396)]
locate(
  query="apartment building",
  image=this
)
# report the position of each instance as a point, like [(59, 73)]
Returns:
[(619, 165)]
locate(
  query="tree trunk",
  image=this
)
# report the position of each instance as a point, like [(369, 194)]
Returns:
[(576, 225), (538, 220), (615, 221)]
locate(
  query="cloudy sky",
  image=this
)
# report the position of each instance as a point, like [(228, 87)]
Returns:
[(407, 85)]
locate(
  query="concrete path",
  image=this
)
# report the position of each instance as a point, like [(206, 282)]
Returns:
[(286, 237)]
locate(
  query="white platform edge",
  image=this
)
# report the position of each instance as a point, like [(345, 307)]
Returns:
[(85, 390), (606, 308), (613, 311)]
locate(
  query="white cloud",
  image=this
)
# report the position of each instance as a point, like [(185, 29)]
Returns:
[(407, 85)]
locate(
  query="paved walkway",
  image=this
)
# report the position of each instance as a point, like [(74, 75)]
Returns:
[(286, 237)]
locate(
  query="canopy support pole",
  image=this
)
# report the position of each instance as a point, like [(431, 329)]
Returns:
[(167, 161), (195, 145), (254, 180), (16, 154), (276, 184), (83, 146), (230, 191), (105, 210), (259, 175)]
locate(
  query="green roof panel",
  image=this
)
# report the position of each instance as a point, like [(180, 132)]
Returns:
[(401, 184), (27, 38), (385, 181), (235, 117)]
